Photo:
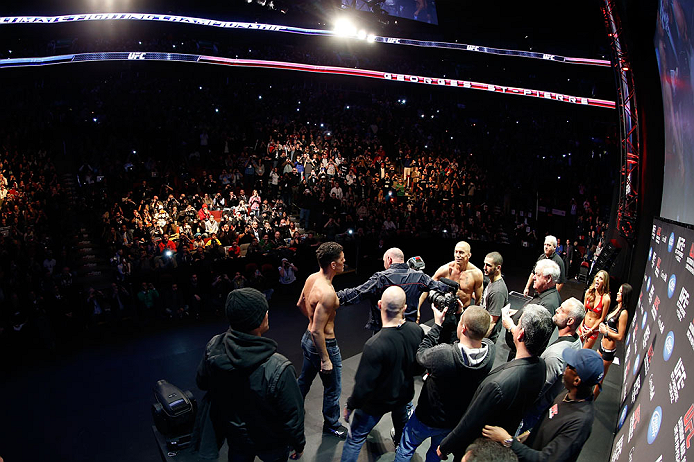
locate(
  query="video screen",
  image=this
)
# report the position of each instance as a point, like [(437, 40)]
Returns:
[(674, 49), (419, 10)]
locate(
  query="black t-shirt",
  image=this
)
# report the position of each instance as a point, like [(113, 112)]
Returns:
[(385, 376), (561, 434)]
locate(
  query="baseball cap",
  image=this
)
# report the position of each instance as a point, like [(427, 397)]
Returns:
[(588, 364)]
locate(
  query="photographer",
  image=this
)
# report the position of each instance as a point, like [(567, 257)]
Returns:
[(397, 273), (287, 272), (239, 281), (455, 371)]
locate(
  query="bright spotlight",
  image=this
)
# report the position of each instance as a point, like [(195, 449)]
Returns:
[(361, 35), (345, 28), (371, 38)]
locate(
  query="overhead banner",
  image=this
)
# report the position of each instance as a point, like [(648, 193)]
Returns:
[(169, 18), (257, 63), (656, 418)]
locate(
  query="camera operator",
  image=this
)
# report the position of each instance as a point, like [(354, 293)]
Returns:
[(287, 272), (397, 273), (455, 371)]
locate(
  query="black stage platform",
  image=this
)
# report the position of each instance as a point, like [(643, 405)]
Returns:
[(94, 405)]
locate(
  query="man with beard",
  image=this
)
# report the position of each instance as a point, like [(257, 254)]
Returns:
[(495, 295)]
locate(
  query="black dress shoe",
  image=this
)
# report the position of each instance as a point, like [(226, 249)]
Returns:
[(340, 432)]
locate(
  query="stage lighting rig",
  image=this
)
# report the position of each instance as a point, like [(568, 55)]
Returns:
[(346, 27)]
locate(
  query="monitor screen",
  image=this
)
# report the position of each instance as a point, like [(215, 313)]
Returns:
[(419, 10), (674, 45)]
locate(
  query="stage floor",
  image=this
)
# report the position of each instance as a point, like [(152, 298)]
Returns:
[(94, 405)]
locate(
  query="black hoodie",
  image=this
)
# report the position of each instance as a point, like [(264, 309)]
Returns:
[(256, 402), (453, 379)]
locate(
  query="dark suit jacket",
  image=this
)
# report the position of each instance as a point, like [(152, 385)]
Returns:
[(501, 399)]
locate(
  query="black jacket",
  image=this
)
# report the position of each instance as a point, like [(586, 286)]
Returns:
[(385, 376), (550, 299), (501, 399), (399, 274), (255, 399)]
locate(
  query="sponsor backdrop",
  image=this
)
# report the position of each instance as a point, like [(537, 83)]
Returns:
[(656, 418)]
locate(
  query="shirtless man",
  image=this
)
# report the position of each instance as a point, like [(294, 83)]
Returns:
[(318, 302), (464, 273)]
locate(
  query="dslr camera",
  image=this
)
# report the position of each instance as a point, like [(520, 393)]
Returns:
[(447, 299)]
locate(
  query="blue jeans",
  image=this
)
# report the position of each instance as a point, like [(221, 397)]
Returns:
[(362, 424), (332, 383), (414, 434), (303, 217)]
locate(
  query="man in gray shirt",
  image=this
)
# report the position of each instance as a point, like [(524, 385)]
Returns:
[(495, 295)]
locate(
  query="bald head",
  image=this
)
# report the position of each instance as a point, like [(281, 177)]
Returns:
[(463, 246), (569, 314), (393, 255), (462, 254), (392, 301)]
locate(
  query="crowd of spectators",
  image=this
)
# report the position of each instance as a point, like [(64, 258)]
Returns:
[(37, 278), (195, 189)]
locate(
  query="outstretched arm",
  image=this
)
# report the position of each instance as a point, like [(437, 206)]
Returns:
[(356, 294)]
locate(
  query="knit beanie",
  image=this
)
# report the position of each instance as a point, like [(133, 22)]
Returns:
[(245, 309)]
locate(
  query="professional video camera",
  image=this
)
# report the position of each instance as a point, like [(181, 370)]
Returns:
[(448, 299)]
